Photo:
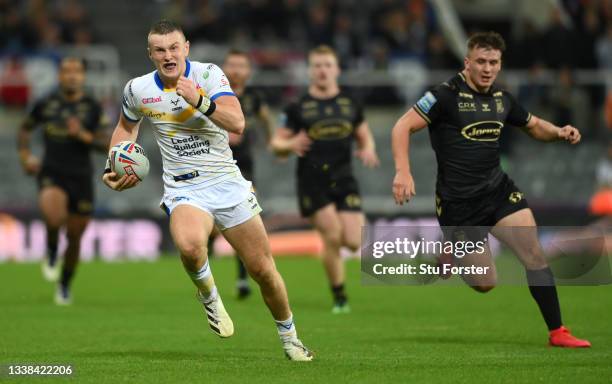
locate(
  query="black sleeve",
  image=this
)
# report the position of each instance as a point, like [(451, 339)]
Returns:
[(431, 105), (291, 118), (96, 117), (359, 114), (260, 102), (35, 116), (517, 115)]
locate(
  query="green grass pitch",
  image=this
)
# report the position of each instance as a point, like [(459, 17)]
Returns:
[(140, 323)]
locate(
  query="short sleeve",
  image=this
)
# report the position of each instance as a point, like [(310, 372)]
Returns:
[(289, 118), (215, 83), (430, 106), (128, 107), (517, 115)]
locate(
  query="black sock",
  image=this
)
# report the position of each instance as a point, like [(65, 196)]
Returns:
[(52, 245), (544, 292), (339, 294), (242, 272), (67, 274)]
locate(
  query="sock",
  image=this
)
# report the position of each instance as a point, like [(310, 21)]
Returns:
[(340, 297), (203, 279), (52, 245), (286, 329), (67, 274), (544, 292), (242, 272)]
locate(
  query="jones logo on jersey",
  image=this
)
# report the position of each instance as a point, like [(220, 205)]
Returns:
[(483, 131)]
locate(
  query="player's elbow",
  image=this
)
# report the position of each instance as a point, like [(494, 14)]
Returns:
[(239, 125)]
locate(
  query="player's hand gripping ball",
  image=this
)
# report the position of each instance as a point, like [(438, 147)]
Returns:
[(128, 158)]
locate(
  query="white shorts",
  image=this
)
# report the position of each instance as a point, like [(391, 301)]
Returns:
[(230, 203)]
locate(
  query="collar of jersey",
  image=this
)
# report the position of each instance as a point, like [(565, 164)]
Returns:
[(160, 84), (489, 93)]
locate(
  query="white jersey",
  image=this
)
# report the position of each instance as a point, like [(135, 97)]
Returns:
[(195, 151)]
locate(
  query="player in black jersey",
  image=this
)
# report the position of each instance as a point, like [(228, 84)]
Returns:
[(320, 128), (72, 122), (237, 68), (466, 116)]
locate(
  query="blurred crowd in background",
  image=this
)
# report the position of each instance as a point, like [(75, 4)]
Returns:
[(564, 63)]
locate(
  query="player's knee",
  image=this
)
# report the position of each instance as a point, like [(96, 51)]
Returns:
[(192, 251), (352, 243), (54, 221), (74, 236), (262, 272), (332, 238)]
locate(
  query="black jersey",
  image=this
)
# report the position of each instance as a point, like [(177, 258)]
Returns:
[(331, 125), (251, 103), (464, 128), (63, 154)]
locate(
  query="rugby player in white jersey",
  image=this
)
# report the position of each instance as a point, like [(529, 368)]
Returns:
[(192, 108)]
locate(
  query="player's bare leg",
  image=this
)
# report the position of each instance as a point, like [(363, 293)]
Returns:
[(519, 232), (75, 227), (190, 228), (329, 225), (352, 225), (250, 240), (480, 283), (53, 203)]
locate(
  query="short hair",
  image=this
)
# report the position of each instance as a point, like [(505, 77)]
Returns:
[(487, 40), (323, 50), (237, 52), (74, 58), (164, 27)]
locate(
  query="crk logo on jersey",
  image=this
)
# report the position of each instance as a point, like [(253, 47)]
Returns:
[(175, 102)]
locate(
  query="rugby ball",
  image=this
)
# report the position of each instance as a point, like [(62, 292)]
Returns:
[(128, 158)]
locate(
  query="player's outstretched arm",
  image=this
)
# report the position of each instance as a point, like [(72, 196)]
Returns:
[(265, 117), (403, 184), (543, 130), (29, 162), (124, 131), (285, 141), (366, 146)]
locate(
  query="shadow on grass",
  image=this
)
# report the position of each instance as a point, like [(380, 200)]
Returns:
[(462, 340)]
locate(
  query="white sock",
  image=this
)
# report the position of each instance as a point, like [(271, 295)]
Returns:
[(204, 280), (286, 329)]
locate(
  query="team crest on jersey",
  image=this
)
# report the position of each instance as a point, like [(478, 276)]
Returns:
[(427, 102), (515, 197), (499, 106)]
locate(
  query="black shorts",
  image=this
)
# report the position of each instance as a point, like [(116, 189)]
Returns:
[(315, 193), (485, 211), (78, 188)]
